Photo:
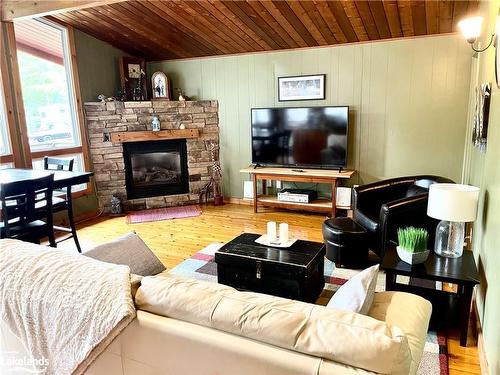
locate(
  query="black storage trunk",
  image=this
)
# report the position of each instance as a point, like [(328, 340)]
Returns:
[(296, 272)]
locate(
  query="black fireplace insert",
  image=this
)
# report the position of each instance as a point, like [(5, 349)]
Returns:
[(156, 168)]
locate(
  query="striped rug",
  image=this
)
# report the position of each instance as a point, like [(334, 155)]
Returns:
[(158, 214), (201, 266)]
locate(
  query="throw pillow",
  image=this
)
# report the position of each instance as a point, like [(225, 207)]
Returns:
[(131, 251), (357, 293)]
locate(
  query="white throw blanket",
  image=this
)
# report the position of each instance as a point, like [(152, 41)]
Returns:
[(65, 308)]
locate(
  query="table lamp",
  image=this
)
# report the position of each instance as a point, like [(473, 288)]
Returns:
[(454, 205)]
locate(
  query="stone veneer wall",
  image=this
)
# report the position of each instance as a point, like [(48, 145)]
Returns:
[(107, 156)]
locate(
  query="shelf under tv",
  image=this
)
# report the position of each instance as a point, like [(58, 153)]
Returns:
[(325, 176)]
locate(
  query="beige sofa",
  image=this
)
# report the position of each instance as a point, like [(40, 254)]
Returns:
[(184, 326)]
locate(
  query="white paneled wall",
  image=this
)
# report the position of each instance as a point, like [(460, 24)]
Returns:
[(408, 101)]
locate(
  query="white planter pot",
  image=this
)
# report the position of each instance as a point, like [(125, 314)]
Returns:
[(412, 258)]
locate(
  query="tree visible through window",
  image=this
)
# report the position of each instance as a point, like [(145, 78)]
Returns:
[(48, 104), (48, 91)]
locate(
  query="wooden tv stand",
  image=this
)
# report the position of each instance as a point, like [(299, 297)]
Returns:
[(322, 176)]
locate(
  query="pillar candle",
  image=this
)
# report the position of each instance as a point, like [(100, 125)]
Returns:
[(283, 232), (271, 231)]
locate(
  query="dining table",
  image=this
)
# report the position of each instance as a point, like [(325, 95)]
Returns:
[(62, 179)]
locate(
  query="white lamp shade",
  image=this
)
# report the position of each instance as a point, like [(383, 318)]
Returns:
[(453, 202), (471, 28)]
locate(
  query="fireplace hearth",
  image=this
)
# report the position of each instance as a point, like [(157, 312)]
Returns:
[(156, 168)]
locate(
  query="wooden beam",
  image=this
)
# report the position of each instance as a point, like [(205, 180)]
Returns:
[(142, 136), (7, 91), (85, 149), (16, 94), (18, 9)]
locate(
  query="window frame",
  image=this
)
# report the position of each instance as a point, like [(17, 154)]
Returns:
[(19, 136)]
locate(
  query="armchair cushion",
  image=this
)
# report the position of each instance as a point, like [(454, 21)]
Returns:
[(416, 190), (367, 219)]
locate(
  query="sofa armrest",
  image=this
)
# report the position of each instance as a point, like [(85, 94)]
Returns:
[(393, 307)]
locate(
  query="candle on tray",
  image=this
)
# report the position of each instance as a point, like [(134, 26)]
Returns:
[(283, 233), (271, 231)]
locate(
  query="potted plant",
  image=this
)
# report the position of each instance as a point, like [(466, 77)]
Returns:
[(412, 247)]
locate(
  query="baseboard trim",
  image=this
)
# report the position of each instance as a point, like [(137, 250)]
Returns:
[(241, 201), (483, 360)]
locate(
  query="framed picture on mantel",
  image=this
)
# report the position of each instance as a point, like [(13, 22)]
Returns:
[(160, 86), (293, 88)]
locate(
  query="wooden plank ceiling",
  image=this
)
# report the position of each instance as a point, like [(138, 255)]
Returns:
[(172, 29)]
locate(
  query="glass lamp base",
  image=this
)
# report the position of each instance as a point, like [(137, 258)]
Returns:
[(449, 239)]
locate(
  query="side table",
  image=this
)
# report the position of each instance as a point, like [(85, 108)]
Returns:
[(460, 271)]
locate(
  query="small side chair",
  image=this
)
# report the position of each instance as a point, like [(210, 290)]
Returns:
[(22, 204), (62, 200)]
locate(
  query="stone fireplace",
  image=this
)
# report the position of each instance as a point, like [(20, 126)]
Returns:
[(151, 169)]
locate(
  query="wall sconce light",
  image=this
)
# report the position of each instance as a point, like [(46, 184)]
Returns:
[(471, 30)]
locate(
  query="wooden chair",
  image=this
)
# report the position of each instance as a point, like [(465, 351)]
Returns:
[(20, 201), (62, 201)]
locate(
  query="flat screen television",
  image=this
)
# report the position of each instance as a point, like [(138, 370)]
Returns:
[(312, 137)]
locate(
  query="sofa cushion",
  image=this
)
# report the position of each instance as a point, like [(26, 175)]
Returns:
[(357, 293), (129, 250), (344, 337)]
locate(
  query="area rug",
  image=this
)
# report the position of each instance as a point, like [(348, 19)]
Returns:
[(158, 214), (201, 266)]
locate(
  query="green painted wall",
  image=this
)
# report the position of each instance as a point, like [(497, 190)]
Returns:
[(99, 74), (482, 169), (408, 101), (97, 66)]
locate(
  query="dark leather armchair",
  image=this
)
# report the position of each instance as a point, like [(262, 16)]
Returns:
[(384, 206)]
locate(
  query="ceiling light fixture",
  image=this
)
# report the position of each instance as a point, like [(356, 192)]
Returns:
[(471, 30)]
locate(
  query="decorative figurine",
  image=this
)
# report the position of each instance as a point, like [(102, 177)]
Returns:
[(155, 124), (116, 205), (182, 97), (215, 183)]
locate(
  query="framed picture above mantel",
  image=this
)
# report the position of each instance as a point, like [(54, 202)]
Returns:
[(293, 88)]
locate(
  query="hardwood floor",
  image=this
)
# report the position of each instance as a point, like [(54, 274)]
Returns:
[(176, 240)]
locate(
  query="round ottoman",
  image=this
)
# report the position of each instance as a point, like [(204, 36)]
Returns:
[(346, 241)]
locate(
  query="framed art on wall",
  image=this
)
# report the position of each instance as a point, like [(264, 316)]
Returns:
[(481, 116), (497, 61), (293, 88)]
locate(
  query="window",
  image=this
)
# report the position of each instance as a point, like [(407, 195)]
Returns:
[(4, 133), (5, 147), (48, 92)]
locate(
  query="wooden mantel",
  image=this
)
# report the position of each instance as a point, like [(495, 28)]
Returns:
[(153, 136)]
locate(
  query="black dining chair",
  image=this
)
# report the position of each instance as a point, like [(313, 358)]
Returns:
[(20, 213), (62, 200)]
